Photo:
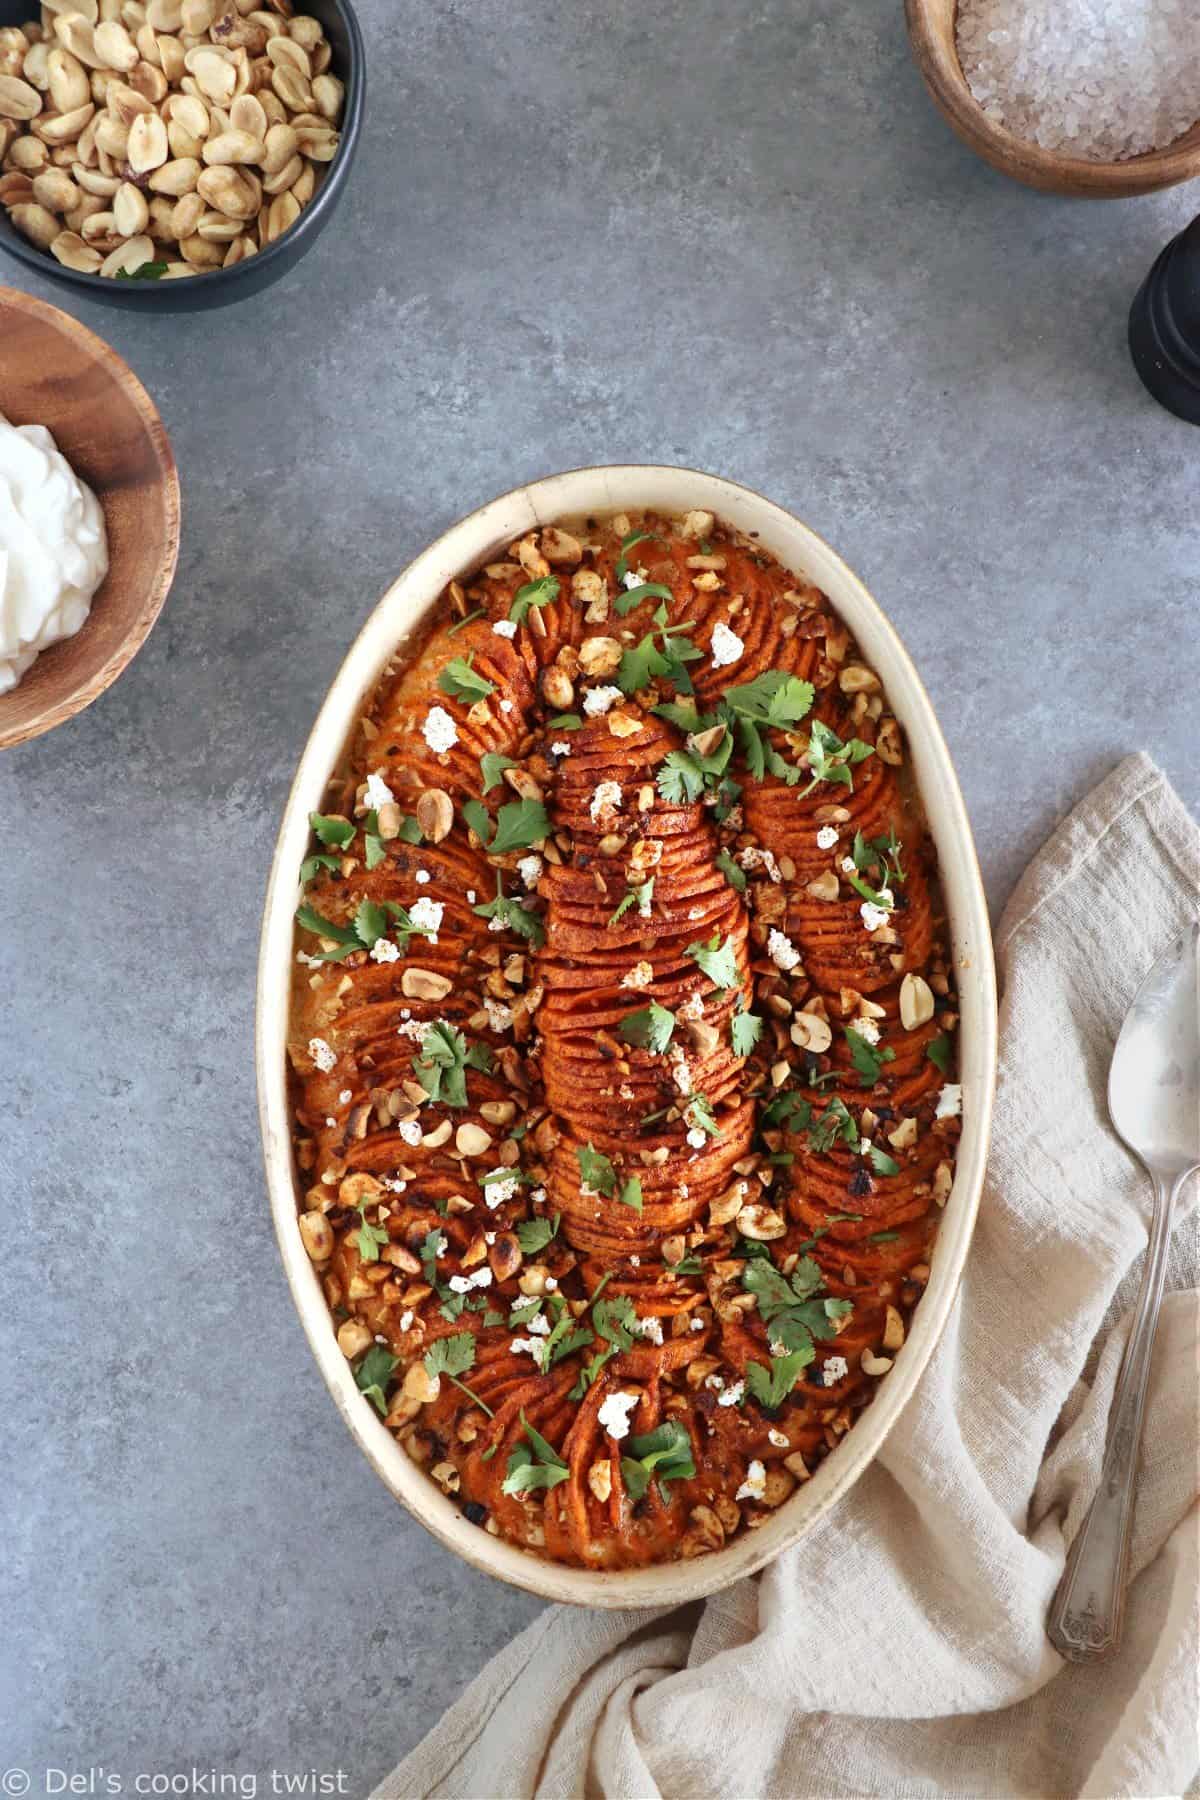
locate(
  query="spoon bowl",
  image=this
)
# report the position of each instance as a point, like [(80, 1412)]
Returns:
[(1154, 1082)]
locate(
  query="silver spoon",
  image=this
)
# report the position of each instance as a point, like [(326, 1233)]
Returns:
[(1154, 1102)]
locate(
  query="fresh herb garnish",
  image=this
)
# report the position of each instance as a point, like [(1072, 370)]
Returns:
[(884, 1237), (332, 829), (745, 1029), (536, 1464), (717, 960), (832, 760), (772, 1385), (651, 1028), (940, 1051), (518, 825), (451, 1355), (634, 596), (792, 1309), (370, 1239), (647, 662), (514, 916), (627, 543), (468, 620), (774, 700), (320, 859), (492, 766), (638, 894), (534, 1234), (666, 1450), (881, 1162), (534, 593), (565, 722), (595, 1170), (631, 1194), (373, 1374), (442, 1062), (698, 1115), (867, 1058), (734, 876), (147, 271), (462, 681)]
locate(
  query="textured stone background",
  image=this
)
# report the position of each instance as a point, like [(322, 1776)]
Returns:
[(733, 237)]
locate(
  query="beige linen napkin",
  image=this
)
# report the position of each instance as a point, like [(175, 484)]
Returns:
[(899, 1649)]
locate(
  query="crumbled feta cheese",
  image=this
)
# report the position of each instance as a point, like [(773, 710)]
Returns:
[(651, 1328), (393, 1184), (867, 1029), (529, 868), (781, 950), (560, 747), (551, 1284), (716, 1382), (330, 1122), (410, 1131), (499, 1016), (827, 837), (681, 1074), (835, 1370), (502, 1188), (692, 1008), (778, 1438), (599, 700), (949, 1101), (732, 1396), (752, 857), (378, 793), (614, 1413), (422, 877), (413, 1028), (537, 1196), (873, 916), (640, 976), (635, 1262), (462, 1284), (322, 1054), (727, 647), (427, 915), (439, 730), (505, 628), (755, 1484), (696, 1325), (634, 578), (607, 798), (849, 866), (539, 1325), (471, 896), (696, 1138), (384, 951), (345, 1097), (506, 706), (533, 1347), (406, 1318)]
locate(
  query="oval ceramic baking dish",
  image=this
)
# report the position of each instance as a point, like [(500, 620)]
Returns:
[(467, 545)]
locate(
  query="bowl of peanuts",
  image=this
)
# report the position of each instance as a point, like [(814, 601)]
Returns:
[(177, 154)]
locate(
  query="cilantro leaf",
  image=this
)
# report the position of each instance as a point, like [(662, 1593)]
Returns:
[(835, 1122), (492, 766), (332, 829), (734, 876), (534, 593), (716, 960), (370, 1239), (462, 681), (442, 1061), (634, 596), (651, 1028), (373, 1374), (882, 1163), (616, 1320), (376, 850), (344, 936), (147, 271), (595, 1170), (514, 916), (699, 1116), (884, 1237), (451, 1355), (631, 1194), (638, 894), (627, 543), (830, 759), (790, 1308), (525, 1472), (680, 778), (667, 1450), (467, 619), (773, 698), (534, 1234), (745, 1029), (868, 1059), (319, 860), (479, 819), (518, 826), (371, 922), (565, 722), (772, 1385), (940, 1052)]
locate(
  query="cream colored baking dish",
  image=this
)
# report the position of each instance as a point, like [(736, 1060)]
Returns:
[(476, 540)]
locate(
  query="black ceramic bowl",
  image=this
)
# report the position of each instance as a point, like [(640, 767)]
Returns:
[(217, 288)]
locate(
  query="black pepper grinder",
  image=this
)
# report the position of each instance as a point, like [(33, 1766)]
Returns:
[(1164, 326)]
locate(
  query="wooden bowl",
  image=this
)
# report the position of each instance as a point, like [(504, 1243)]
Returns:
[(55, 373), (474, 541), (931, 34)]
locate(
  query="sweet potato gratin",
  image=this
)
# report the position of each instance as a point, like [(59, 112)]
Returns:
[(623, 1036)]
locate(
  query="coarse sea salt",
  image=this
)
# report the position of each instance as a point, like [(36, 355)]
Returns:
[(1097, 79)]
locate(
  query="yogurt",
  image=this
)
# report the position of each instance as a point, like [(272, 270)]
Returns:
[(53, 548)]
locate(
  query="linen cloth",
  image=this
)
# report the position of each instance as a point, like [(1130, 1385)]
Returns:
[(899, 1649)]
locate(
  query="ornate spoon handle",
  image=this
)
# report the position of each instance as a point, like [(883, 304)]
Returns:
[(1089, 1605)]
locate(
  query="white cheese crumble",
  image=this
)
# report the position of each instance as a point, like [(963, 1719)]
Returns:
[(849, 866), (835, 1370), (505, 628), (322, 1054), (732, 1396), (384, 951), (539, 1325), (827, 837), (614, 1413), (439, 730), (867, 1029), (696, 1138), (345, 1097), (506, 706), (378, 793), (681, 1074), (781, 950), (499, 1016), (406, 1318), (633, 578), (949, 1101), (462, 1284), (560, 748), (778, 1438), (534, 1347), (640, 976), (755, 1484), (727, 647), (599, 700), (696, 1325), (873, 916), (501, 1189), (607, 798), (422, 877), (410, 1131), (651, 1328), (427, 915), (692, 1008), (529, 868)]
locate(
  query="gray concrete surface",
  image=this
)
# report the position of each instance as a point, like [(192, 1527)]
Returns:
[(734, 237)]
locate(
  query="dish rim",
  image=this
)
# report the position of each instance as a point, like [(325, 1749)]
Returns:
[(465, 546)]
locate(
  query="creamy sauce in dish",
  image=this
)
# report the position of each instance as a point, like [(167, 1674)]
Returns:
[(53, 548)]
